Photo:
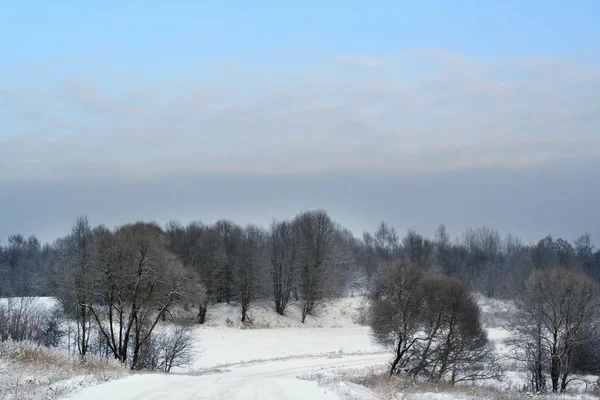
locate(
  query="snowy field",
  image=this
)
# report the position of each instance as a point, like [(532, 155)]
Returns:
[(271, 380), (339, 313), (236, 361), (221, 347), (274, 357)]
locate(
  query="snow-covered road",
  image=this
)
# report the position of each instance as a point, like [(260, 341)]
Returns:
[(269, 380)]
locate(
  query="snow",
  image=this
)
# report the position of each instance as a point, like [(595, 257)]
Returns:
[(338, 313), (495, 313), (30, 371), (274, 380), (32, 303), (227, 346), (237, 361), (498, 334), (273, 357)]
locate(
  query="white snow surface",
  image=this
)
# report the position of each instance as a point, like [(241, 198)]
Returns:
[(274, 380), (265, 359), (338, 313), (29, 371), (230, 346), (261, 360)]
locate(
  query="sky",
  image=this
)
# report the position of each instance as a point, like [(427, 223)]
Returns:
[(470, 113)]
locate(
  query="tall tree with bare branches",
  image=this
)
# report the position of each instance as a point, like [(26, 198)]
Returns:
[(318, 257), (556, 313), (137, 282), (284, 249)]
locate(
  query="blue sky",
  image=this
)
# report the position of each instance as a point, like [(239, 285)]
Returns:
[(136, 32), (145, 93)]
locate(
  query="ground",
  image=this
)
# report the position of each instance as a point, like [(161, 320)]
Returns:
[(273, 380), (226, 346), (275, 357)]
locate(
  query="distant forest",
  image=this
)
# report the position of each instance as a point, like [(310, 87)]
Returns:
[(307, 256)]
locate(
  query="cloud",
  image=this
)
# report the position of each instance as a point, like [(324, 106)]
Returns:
[(560, 198), (426, 110)]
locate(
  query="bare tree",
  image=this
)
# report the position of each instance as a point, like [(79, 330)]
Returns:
[(442, 250), (318, 255), (432, 324), (138, 281), (209, 260), (456, 347), (25, 318), (386, 241), (586, 359), (484, 260), (517, 267), (76, 259), (284, 249), (230, 235), (564, 253), (348, 273), (395, 312), (556, 313), (168, 347), (417, 249), (22, 265), (584, 250), (202, 251), (176, 348), (530, 347), (543, 254), (368, 256), (249, 267)]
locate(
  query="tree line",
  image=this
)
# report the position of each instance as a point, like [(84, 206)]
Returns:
[(481, 258)]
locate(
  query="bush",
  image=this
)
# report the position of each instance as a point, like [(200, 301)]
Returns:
[(586, 357), (27, 319), (39, 372), (168, 347), (432, 324)]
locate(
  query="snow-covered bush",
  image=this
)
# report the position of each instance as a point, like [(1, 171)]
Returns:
[(168, 347), (25, 318), (30, 370)]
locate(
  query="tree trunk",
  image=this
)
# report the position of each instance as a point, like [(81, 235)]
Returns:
[(201, 314), (245, 306), (84, 331), (304, 312), (399, 353), (564, 382), (554, 373)]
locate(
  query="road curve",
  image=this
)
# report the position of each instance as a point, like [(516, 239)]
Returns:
[(269, 380)]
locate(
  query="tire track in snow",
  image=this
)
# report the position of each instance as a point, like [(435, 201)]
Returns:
[(276, 380)]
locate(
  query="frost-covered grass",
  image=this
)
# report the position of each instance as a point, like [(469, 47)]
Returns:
[(31, 371), (375, 383)]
